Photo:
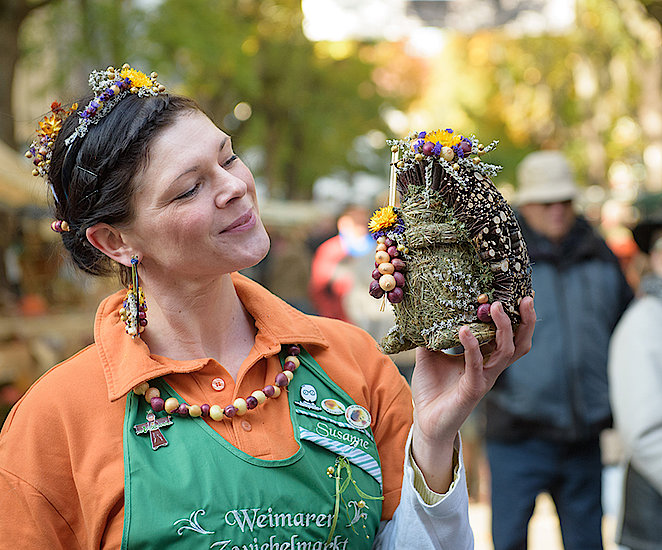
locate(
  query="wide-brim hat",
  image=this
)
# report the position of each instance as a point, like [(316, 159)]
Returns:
[(650, 210), (545, 177)]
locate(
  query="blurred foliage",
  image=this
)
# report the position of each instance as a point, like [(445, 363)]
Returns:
[(298, 107), (583, 91), (654, 8), (306, 102)]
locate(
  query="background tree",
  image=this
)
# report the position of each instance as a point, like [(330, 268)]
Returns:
[(12, 15), (593, 91), (307, 102)]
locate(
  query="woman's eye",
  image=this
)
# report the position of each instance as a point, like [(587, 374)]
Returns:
[(230, 161), (192, 191)]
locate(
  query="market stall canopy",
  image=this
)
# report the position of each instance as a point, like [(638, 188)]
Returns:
[(18, 187)]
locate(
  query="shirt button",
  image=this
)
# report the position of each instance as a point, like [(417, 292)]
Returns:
[(218, 384), (246, 425)]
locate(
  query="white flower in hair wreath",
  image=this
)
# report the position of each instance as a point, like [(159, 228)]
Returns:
[(110, 87)]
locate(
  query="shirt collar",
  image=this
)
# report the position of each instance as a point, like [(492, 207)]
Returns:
[(127, 362)]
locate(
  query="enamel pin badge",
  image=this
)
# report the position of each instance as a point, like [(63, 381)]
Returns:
[(153, 426)]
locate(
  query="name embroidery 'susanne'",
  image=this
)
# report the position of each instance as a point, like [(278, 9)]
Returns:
[(254, 520), (348, 438), (343, 425)]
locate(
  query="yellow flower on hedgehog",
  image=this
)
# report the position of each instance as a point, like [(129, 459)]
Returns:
[(445, 137), (138, 78), (383, 219)]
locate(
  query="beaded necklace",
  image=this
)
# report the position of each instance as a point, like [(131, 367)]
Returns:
[(239, 407)]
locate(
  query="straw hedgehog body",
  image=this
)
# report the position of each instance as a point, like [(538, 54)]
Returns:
[(458, 242)]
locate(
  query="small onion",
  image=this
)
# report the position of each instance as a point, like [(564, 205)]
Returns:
[(376, 291), (398, 264), (399, 279), (382, 257), (427, 148), (387, 282), (396, 295), (386, 268), (483, 313), (393, 252), (157, 404), (376, 274)]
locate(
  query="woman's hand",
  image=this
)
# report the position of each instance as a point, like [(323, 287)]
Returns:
[(447, 388)]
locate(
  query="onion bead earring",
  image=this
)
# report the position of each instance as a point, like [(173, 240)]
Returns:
[(134, 309)]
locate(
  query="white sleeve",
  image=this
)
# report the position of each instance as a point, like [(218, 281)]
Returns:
[(443, 525), (635, 377)]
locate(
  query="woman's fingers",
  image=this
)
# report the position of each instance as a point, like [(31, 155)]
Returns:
[(505, 346), (524, 334), (473, 363)]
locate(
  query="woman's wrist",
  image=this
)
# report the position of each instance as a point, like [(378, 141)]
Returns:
[(434, 457)]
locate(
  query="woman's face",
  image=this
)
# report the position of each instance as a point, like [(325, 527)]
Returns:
[(196, 212)]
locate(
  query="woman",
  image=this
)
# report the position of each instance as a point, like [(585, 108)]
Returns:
[(146, 181), (635, 383)]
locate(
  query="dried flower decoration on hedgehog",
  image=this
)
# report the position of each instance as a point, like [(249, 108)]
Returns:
[(451, 248)]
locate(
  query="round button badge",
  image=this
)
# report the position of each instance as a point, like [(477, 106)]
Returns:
[(334, 407), (357, 416), (218, 384), (308, 393)]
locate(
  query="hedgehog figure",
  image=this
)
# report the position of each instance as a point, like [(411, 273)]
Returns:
[(452, 247)]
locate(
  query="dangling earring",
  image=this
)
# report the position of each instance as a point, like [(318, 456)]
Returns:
[(135, 307)]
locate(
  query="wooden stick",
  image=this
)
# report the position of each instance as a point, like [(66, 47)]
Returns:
[(392, 196)]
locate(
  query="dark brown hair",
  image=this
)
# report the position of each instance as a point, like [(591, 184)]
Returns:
[(94, 178)]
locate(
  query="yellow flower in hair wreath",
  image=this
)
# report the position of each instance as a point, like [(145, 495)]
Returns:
[(138, 78), (50, 125), (383, 219)]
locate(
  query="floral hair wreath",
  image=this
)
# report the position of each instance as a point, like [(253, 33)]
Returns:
[(109, 86)]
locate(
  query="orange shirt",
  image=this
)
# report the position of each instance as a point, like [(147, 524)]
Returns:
[(61, 462)]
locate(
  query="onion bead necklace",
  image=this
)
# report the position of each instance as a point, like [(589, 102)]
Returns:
[(239, 406)]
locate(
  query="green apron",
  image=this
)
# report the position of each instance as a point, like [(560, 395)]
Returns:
[(187, 487)]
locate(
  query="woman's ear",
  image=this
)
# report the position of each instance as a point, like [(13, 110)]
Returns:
[(109, 240)]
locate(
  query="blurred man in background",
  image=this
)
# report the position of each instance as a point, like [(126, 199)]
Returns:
[(546, 412)]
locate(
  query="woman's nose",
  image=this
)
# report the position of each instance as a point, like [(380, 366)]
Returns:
[(228, 188)]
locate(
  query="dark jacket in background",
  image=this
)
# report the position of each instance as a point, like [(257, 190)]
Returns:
[(558, 391)]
